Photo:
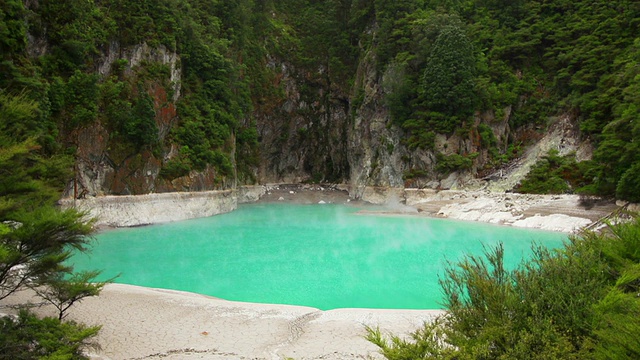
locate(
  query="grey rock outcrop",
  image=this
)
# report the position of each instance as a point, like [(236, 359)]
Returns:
[(303, 133), (106, 167), (375, 153)]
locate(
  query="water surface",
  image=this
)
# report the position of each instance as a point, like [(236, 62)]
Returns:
[(324, 256)]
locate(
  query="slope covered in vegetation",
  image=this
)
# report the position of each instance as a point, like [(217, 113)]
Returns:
[(212, 92)]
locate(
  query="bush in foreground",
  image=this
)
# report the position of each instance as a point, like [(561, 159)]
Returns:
[(30, 337), (578, 302), (36, 240)]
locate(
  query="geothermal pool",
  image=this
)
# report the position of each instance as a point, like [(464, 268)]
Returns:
[(325, 256)]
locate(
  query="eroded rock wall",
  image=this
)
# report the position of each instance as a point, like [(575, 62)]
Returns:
[(313, 132), (375, 152), (378, 156), (303, 133), (128, 210), (108, 165)]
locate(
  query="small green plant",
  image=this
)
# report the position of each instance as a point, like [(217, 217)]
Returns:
[(487, 137), (415, 173), (64, 291), (454, 162), (554, 174)]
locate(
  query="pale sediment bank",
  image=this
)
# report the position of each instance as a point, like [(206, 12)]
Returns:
[(136, 210), (566, 213), (143, 323)]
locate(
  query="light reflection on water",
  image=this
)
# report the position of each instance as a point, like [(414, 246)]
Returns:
[(324, 256)]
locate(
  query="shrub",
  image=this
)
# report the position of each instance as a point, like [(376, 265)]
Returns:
[(487, 137), (29, 337), (578, 302), (628, 188), (175, 168), (453, 162), (554, 174)]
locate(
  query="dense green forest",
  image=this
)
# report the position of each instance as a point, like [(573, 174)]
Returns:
[(440, 64)]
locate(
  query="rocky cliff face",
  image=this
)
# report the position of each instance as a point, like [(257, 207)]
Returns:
[(303, 133), (105, 166), (313, 132), (378, 157), (375, 152)]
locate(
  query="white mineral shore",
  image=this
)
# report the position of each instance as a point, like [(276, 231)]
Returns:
[(144, 323), (136, 210), (565, 213), (555, 213)]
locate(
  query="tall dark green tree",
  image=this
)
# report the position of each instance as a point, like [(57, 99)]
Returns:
[(448, 85), (36, 238)]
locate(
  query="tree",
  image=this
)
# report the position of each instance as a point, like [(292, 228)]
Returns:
[(627, 188), (448, 79), (62, 292), (141, 129), (35, 244), (36, 239)]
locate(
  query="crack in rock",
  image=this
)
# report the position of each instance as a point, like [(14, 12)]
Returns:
[(296, 330), (296, 327), (183, 352)]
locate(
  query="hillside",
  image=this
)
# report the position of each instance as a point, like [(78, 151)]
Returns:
[(189, 95)]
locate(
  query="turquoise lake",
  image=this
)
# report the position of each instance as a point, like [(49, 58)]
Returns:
[(324, 256)]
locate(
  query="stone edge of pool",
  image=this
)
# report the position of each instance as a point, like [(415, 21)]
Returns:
[(563, 213)]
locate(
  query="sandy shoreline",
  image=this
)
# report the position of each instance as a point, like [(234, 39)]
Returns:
[(144, 323)]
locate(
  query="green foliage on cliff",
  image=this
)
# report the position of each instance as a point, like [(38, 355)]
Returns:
[(579, 302), (448, 81), (555, 174), (71, 40), (540, 58), (453, 162), (440, 63)]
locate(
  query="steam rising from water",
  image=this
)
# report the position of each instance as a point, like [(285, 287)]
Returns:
[(394, 204), (326, 256)]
